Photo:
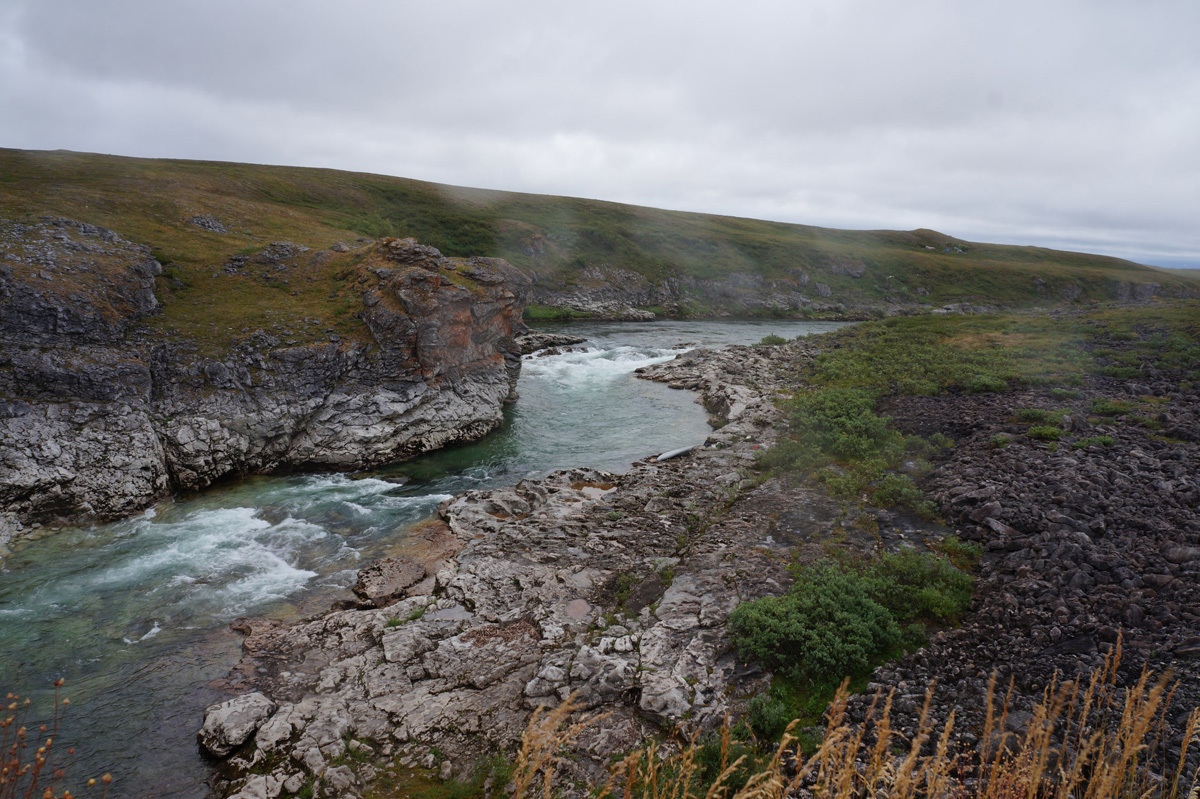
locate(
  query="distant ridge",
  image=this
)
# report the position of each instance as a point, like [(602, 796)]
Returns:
[(583, 254)]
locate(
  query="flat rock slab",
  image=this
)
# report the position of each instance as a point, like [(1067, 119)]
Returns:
[(385, 581)]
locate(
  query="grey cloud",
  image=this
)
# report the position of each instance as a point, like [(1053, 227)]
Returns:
[(1051, 122)]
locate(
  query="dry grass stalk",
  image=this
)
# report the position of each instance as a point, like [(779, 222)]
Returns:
[(1098, 742), (27, 765), (542, 746)]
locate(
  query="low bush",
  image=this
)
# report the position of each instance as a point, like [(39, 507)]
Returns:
[(827, 623), (842, 619), (1033, 415), (963, 554), (1084, 443), (771, 340), (899, 489), (1044, 433), (1103, 407), (916, 586), (842, 423)]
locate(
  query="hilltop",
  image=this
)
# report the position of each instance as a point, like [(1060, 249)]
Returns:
[(213, 226)]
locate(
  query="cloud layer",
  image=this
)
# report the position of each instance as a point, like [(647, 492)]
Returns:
[(1068, 124)]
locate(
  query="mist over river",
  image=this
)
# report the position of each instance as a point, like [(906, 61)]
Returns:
[(134, 614)]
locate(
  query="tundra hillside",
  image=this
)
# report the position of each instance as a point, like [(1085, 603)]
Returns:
[(587, 258)]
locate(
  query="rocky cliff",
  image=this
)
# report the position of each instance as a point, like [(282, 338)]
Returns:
[(100, 415)]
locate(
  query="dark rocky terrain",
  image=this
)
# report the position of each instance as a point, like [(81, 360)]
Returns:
[(99, 416), (1083, 545)]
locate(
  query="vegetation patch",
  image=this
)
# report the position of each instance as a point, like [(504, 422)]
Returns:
[(1044, 433), (842, 618)]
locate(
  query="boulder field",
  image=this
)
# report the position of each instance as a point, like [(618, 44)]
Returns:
[(100, 415)]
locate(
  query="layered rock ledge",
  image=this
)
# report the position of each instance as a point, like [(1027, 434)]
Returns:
[(99, 417)]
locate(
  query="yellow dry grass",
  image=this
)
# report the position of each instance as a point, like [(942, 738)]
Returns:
[(1084, 741)]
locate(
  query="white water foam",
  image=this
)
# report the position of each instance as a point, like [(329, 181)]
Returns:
[(593, 366)]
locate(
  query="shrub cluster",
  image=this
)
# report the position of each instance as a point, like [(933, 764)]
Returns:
[(841, 619)]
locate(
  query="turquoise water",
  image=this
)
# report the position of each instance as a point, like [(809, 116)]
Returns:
[(134, 615)]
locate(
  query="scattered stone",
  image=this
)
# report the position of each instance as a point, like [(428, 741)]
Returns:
[(207, 222)]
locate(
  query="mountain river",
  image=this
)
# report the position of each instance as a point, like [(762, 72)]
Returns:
[(134, 615)]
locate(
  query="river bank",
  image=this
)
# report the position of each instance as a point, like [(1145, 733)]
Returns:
[(612, 588), (134, 614), (634, 625)]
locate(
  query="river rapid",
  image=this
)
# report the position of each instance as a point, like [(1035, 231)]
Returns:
[(134, 615)]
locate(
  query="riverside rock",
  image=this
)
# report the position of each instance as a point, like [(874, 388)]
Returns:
[(385, 581), (230, 724), (101, 417)]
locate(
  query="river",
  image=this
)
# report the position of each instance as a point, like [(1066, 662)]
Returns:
[(134, 615)]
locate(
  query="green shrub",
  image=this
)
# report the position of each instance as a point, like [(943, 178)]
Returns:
[(842, 483), (1064, 393), (941, 441), (1103, 407), (1033, 415), (896, 489), (914, 586), (842, 619), (1084, 443), (1001, 440), (771, 340), (963, 554), (1044, 433), (791, 455), (769, 715), (842, 423), (826, 624)]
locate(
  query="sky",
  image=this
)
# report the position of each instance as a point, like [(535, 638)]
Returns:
[(1062, 124)]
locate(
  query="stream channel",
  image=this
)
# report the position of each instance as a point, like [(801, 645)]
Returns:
[(134, 614)]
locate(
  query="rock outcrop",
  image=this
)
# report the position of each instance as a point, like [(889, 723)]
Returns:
[(618, 294), (98, 417)]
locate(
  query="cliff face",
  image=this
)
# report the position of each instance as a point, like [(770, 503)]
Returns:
[(98, 417)]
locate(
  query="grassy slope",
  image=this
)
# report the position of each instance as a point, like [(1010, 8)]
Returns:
[(146, 201)]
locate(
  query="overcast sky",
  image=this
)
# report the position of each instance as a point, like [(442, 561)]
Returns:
[(1064, 124)]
